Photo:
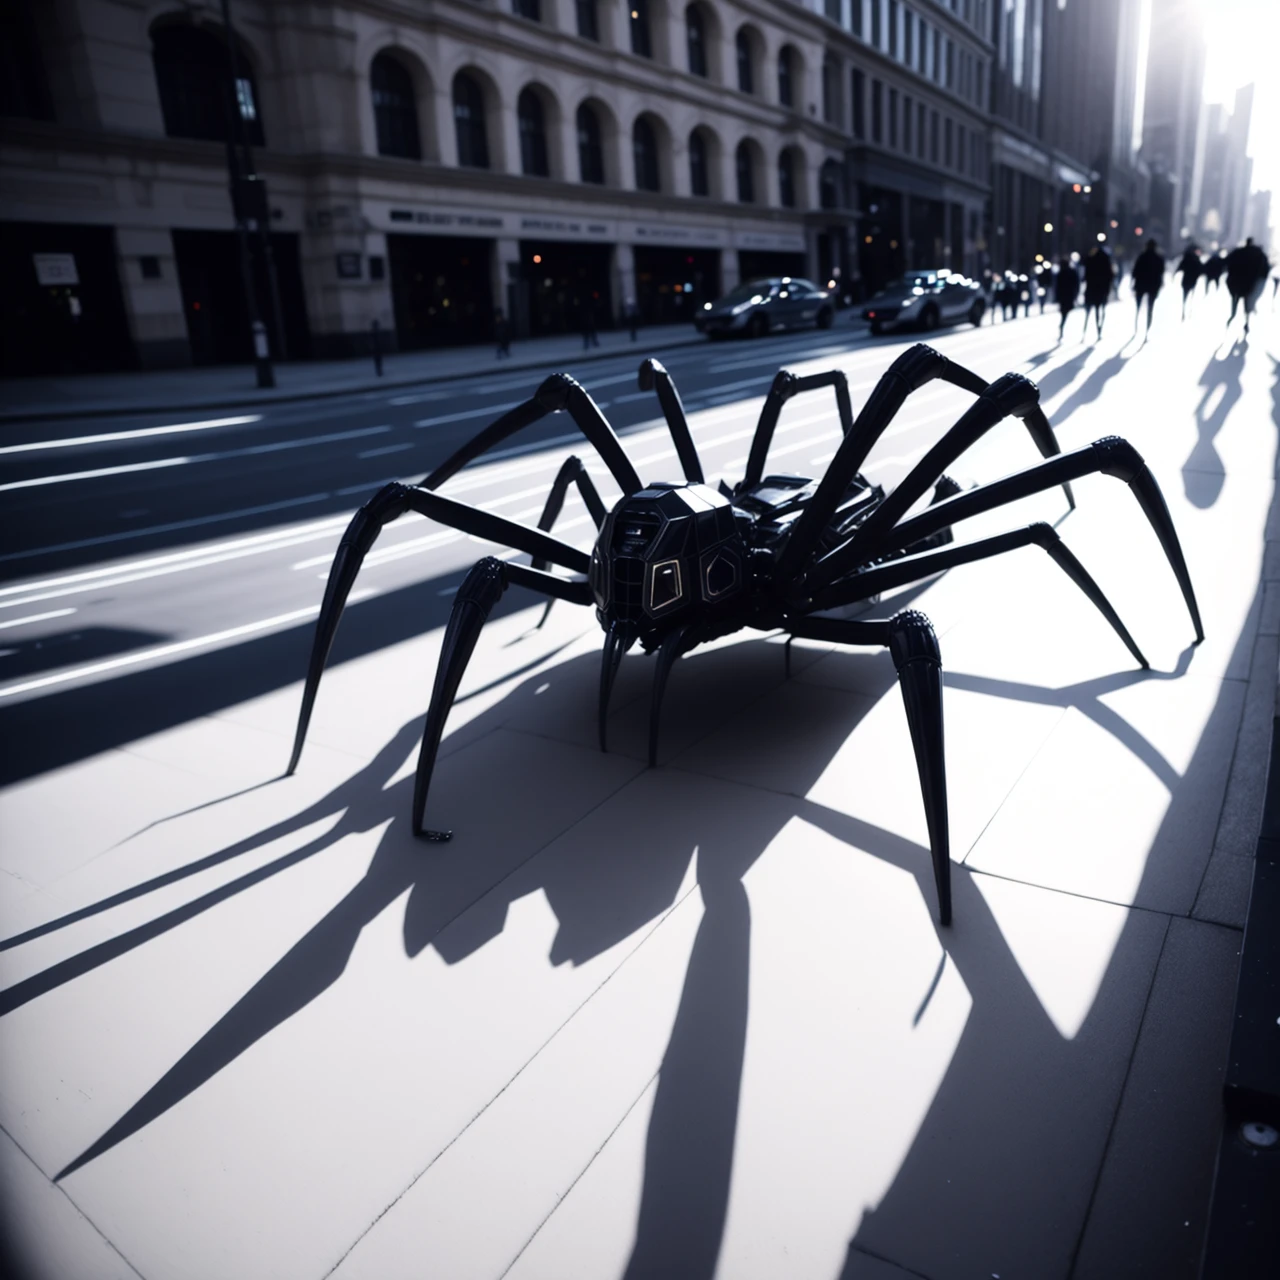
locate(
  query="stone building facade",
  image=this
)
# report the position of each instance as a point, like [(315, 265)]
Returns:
[(427, 163)]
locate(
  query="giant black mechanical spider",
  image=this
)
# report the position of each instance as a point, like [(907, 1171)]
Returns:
[(677, 564)]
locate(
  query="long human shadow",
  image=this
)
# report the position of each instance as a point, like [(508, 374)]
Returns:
[(1202, 473), (1062, 376), (1090, 389), (459, 904)]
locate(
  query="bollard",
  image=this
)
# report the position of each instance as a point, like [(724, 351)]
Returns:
[(375, 330), (262, 355)]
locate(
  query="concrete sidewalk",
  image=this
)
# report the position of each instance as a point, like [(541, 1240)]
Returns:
[(696, 1020), (231, 386)]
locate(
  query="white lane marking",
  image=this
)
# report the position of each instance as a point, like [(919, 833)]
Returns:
[(251, 450), (95, 474), (632, 396), (36, 617), (418, 399), (386, 448), (167, 650), (495, 411), (110, 437)]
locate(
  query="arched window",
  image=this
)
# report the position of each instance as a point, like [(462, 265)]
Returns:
[(531, 9), (830, 185), (590, 150), (696, 38), (533, 135), (641, 44), (468, 120), (746, 177), (588, 20), (395, 111), (746, 73), (644, 145), (786, 180), (699, 180), (197, 98), (785, 95)]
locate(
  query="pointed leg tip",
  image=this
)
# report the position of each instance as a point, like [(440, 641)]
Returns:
[(437, 837), (944, 917)]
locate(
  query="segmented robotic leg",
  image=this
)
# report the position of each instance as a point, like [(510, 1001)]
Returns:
[(571, 472), (914, 647), (676, 643), (654, 377), (618, 639)]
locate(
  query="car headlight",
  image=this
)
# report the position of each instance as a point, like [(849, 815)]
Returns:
[(706, 306), (907, 302)]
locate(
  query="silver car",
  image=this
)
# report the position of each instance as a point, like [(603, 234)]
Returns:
[(758, 307), (924, 300)]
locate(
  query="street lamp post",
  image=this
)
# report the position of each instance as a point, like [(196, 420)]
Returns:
[(249, 208)]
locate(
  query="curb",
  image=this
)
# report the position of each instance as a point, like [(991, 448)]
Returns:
[(254, 397)]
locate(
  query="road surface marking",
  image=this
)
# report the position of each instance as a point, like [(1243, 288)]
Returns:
[(111, 437), (36, 617)]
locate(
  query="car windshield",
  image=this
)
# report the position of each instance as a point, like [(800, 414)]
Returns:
[(745, 292), (915, 280)]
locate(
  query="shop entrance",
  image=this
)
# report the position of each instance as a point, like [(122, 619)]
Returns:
[(560, 282), (671, 284), (441, 290), (61, 306), (213, 300), (758, 264)]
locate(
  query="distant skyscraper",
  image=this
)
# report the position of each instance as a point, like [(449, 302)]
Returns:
[(1223, 172)]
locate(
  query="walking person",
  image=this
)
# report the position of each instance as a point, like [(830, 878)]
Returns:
[(1213, 270), (1148, 279), (502, 332), (631, 313), (1098, 275), (1192, 269), (590, 338), (1065, 288), (1247, 271)]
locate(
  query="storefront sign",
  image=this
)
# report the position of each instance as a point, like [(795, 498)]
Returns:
[(430, 219), (567, 228), (55, 268), (701, 237), (781, 242)]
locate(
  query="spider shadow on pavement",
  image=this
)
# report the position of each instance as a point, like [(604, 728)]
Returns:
[(1202, 474), (602, 889)]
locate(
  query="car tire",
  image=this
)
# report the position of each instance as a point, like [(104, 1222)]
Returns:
[(759, 327), (929, 318), (876, 328), (976, 312), (825, 318)]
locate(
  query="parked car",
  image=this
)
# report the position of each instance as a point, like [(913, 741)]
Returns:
[(758, 307), (924, 300)]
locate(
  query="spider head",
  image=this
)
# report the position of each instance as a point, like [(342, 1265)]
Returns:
[(668, 556)]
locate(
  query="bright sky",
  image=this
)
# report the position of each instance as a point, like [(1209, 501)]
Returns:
[(1242, 40)]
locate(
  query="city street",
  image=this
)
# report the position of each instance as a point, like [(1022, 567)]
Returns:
[(692, 1021)]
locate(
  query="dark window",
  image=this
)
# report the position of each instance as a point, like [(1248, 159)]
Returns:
[(590, 150), (746, 175), (784, 76), (933, 136), (920, 122), (531, 9), (937, 56), (980, 93), (893, 117), (395, 111), (533, 135), (829, 185), (746, 74), (908, 36), (641, 45), (855, 16), (875, 23), (696, 39), (468, 119), (644, 146), (24, 89), (922, 46), (893, 28), (951, 64), (786, 180), (588, 20), (829, 107), (906, 124), (832, 9), (877, 111), (858, 88), (698, 180), (961, 133), (947, 134), (197, 97)]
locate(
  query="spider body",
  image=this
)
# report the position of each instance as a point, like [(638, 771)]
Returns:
[(678, 563)]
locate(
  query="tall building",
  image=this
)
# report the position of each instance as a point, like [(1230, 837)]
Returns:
[(423, 163), (1224, 173), (1171, 114)]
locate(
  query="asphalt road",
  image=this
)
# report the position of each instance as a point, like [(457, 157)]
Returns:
[(155, 569)]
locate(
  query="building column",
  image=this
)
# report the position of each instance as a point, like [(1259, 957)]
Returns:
[(342, 299), (730, 276), (504, 282), (152, 297), (624, 279)]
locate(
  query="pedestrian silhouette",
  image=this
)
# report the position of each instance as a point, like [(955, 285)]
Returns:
[(632, 314), (1192, 269), (1098, 274), (1247, 270), (1213, 270), (1148, 277), (1065, 289), (502, 331), (590, 338)]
